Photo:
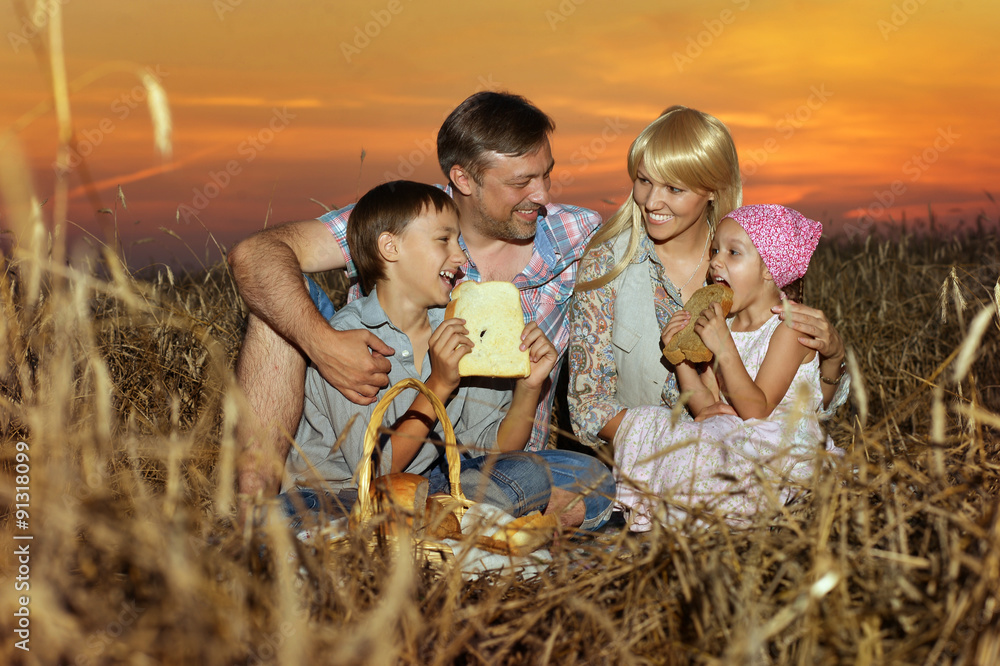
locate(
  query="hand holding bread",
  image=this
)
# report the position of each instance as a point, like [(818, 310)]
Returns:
[(713, 331), (448, 344), (678, 321), (494, 321), (541, 354), (687, 344)]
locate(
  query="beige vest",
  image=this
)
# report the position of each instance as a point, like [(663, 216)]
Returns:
[(635, 336)]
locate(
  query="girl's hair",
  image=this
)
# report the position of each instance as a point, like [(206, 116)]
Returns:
[(795, 291), (682, 147)]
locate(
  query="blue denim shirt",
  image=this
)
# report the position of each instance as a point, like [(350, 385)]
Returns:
[(476, 410)]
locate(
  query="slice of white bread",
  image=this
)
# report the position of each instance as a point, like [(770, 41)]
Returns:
[(495, 321)]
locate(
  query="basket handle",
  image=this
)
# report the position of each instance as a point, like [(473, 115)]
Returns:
[(363, 509)]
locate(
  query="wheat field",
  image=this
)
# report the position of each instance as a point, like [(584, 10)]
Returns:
[(118, 407), (117, 411)]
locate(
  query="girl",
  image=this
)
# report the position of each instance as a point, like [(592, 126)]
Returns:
[(646, 261), (761, 370)]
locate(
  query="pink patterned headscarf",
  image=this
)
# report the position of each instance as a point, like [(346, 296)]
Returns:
[(785, 238)]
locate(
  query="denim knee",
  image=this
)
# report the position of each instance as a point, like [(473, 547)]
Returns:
[(583, 475), (518, 483), (304, 505)]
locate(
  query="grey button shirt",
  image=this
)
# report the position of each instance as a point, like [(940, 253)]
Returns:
[(475, 411)]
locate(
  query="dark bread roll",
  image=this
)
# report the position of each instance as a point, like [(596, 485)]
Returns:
[(686, 345), (402, 497)]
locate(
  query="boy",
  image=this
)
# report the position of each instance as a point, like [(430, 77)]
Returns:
[(495, 154), (403, 238)]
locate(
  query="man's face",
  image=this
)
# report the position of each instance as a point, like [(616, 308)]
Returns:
[(512, 191)]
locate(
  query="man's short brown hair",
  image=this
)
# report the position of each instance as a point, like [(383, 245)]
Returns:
[(490, 122), (389, 207)]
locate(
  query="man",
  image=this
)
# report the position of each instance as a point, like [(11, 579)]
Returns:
[(494, 149)]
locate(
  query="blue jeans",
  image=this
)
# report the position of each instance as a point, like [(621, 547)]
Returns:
[(583, 475), (522, 482), (518, 483)]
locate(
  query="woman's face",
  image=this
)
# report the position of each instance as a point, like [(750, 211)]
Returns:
[(669, 210)]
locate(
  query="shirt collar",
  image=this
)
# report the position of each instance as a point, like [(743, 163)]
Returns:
[(646, 251), (373, 316)]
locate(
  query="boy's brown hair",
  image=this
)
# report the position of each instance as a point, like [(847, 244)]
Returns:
[(389, 207)]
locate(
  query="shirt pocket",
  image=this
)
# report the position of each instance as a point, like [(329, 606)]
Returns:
[(625, 337), (557, 291)]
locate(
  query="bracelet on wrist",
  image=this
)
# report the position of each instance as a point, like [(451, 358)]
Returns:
[(840, 375), (413, 415)]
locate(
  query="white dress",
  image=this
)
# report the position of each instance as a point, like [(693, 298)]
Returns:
[(723, 463)]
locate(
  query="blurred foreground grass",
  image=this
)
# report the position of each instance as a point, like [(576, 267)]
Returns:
[(123, 393)]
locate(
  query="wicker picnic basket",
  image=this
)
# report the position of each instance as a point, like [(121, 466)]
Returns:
[(426, 520)]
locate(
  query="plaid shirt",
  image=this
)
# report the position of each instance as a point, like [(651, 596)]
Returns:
[(546, 284)]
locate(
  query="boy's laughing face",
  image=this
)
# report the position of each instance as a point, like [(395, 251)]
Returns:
[(430, 257)]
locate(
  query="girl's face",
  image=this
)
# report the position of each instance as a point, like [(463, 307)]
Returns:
[(669, 210), (736, 262)]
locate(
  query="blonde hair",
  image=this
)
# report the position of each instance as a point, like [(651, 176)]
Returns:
[(682, 147)]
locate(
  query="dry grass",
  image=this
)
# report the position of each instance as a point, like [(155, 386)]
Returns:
[(124, 393)]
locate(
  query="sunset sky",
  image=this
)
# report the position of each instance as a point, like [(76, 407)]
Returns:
[(842, 109)]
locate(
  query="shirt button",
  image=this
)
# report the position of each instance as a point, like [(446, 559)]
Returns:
[(406, 354)]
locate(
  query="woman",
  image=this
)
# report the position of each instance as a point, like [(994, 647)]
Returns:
[(646, 261)]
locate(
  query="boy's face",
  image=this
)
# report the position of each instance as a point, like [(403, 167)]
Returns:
[(430, 256)]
